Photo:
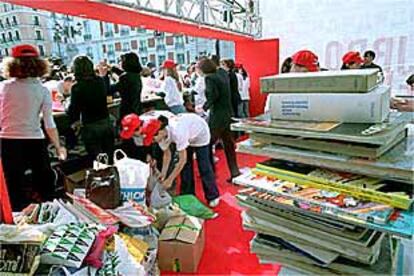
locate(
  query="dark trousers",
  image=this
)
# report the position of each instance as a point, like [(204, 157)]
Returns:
[(98, 137), (20, 155), (227, 137), (205, 168)]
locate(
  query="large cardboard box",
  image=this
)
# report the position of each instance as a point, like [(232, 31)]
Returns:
[(345, 81), (370, 107), (181, 244)]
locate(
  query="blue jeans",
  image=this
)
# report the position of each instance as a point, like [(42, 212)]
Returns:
[(205, 167), (177, 109)]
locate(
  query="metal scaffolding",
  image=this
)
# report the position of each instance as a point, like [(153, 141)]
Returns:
[(238, 16)]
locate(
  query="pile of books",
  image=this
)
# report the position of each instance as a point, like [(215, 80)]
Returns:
[(313, 209)]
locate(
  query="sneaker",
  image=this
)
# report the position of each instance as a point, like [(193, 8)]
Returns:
[(214, 203)]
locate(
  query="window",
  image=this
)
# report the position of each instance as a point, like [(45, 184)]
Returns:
[(171, 55), (41, 50), (169, 40), (14, 20), (152, 58), (132, 29), (38, 35), (116, 27), (10, 36), (89, 52), (1, 24), (151, 42), (111, 50), (144, 60), (36, 20), (17, 35), (104, 48), (161, 59), (118, 46), (181, 59), (7, 22), (3, 36), (86, 27), (134, 44), (5, 7), (125, 46), (6, 51)]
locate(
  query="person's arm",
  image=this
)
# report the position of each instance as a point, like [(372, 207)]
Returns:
[(182, 159), (211, 93), (50, 126), (74, 110), (166, 160)]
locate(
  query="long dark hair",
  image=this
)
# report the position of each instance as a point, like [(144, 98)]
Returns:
[(83, 68), (244, 73), (286, 65), (130, 63)]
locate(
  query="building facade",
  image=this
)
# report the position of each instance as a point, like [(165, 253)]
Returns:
[(21, 25), (65, 36)]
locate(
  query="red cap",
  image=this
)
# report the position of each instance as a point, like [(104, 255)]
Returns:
[(149, 129), (307, 59), (352, 57), (238, 65), (169, 64), (24, 50), (130, 123)]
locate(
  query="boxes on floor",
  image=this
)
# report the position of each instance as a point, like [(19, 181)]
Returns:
[(372, 107), (345, 81), (181, 244)]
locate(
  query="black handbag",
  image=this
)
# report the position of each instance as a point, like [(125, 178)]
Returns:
[(103, 184)]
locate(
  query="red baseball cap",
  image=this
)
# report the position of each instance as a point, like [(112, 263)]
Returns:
[(130, 123), (24, 50), (307, 59), (149, 129), (238, 65), (169, 64), (352, 57)]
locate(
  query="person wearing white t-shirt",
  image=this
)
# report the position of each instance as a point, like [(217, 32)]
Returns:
[(244, 90), (172, 88), (190, 134)]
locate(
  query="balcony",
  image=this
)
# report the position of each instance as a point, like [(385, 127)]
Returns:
[(109, 34), (87, 37)]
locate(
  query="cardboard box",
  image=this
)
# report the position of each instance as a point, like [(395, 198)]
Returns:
[(75, 181), (345, 81), (181, 245), (370, 107)]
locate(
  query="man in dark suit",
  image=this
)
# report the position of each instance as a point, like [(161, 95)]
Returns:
[(219, 104)]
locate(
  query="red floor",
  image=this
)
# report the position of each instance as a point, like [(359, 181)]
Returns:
[(227, 244)]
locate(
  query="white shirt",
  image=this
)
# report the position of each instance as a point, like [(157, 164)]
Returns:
[(173, 96), (240, 83), (187, 130), (22, 101), (245, 95), (200, 87)]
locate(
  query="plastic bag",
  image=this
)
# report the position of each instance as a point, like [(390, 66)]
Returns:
[(134, 176), (193, 207)]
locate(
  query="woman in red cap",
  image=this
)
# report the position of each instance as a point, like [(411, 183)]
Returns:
[(352, 60), (23, 145), (304, 61), (172, 88)]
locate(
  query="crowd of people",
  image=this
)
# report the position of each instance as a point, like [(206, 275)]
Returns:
[(201, 104)]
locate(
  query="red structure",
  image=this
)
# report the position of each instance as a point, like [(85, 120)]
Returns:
[(260, 57)]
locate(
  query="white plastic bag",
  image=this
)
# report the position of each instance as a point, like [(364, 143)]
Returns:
[(133, 175)]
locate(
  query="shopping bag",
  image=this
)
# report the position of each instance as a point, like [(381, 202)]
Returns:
[(103, 184), (133, 175), (193, 207)]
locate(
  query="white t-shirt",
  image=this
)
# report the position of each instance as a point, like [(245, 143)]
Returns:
[(200, 87), (240, 83), (173, 96), (245, 95), (187, 129)]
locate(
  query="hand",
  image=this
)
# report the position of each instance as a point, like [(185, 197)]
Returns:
[(61, 153), (162, 176), (167, 183)]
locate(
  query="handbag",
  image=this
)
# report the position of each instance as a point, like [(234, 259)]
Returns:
[(103, 184)]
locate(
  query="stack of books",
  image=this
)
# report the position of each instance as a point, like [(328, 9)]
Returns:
[(314, 209)]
